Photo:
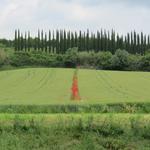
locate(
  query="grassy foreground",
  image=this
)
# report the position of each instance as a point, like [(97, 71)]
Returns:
[(53, 86), (75, 132)]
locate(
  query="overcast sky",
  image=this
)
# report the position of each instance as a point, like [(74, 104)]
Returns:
[(121, 15)]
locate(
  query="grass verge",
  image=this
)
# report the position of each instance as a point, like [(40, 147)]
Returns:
[(75, 131), (77, 108)]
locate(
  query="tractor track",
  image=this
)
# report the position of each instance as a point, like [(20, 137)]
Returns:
[(120, 88), (109, 86)]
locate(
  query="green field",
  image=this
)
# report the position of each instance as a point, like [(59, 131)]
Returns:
[(113, 113), (53, 86)]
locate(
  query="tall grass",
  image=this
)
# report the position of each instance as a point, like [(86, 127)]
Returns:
[(91, 132), (84, 108)]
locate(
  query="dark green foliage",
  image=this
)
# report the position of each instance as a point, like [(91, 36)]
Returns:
[(25, 42), (144, 63), (86, 41), (29, 41), (134, 62), (22, 42), (120, 61), (49, 41), (19, 41), (103, 40), (42, 41), (4, 43), (87, 59), (71, 58), (3, 57), (104, 60), (45, 42), (20, 59), (38, 43), (16, 42)]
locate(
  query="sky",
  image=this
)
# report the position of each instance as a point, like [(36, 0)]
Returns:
[(121, 15)]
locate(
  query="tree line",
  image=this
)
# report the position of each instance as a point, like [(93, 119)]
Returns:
[(59, 41)]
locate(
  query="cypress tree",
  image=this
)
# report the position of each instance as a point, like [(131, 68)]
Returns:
[(84, 41), (138, 44), (125, 43), (135, 43), (57, 42), (108, 40), (72, 40), (91, 41), (64, 42), (21, 42), (29, 41), (105, 40), (87, 40), (42, 40), (102, 39), (39, 41), (61, 41), (118, 42), (98, 41), (45, 42), (25, 42), (16, 41), (148, 42), (94, 42), (128, 42), (80, 41), (76, 39), (49, 41), (142, 43), (53, 42), (35, 43), (132, 43), (121, 42), (68, 40), (113, 42), (19, 46)]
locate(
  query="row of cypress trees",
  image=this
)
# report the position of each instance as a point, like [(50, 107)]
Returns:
[(59, 41)]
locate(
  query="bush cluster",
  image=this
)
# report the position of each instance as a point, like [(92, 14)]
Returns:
[(121, 60)]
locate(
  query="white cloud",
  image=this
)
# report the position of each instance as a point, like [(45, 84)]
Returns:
[(72, 14)]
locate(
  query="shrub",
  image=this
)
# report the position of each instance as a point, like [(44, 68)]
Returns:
[(20, 59), (145, 62), (134, 62), (36, 59), (84, 58), (71, 57), (3, 57), (103, 60), (120, 61)]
